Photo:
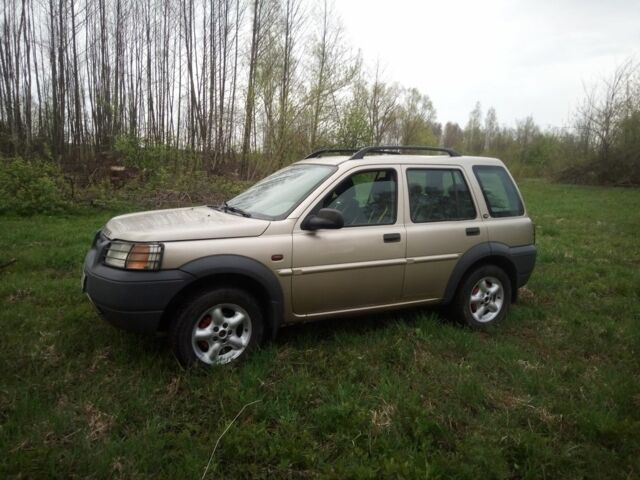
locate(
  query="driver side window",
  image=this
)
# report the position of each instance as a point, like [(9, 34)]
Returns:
[(365, 198)]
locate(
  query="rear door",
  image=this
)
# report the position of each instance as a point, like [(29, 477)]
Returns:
[(361, 264), (442, 222)]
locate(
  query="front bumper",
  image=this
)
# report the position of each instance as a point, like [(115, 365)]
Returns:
[(130, 300)]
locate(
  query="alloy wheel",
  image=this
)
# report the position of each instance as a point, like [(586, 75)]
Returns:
[(487, 299), (221, 334)]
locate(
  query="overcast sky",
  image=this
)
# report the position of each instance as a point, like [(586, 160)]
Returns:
[(523, 57)]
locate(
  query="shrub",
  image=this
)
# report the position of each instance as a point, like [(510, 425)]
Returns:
[(147, 157), (29, 187)]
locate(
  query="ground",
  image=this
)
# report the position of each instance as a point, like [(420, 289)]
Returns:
[(553, 392)]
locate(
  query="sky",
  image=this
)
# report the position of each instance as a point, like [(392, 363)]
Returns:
[(522, 57)]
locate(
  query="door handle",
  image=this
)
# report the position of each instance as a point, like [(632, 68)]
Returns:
[(473, 231), (391, 237)]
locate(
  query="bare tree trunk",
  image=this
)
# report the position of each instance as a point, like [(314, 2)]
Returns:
[(26, 20), (250, 101), (232, 111), (78, 122), (319, 87), (292, 22), (53, 65)]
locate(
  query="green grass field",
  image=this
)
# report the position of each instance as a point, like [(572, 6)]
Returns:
[(554, 392)]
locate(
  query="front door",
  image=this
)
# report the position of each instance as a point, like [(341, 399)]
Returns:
[(361, 264)]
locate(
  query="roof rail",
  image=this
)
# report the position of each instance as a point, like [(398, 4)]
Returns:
[(319, 153), (395, 149)]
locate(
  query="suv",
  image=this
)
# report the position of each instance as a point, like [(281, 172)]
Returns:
[(341, 232)]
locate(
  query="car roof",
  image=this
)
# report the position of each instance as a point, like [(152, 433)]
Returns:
[(344, 160)]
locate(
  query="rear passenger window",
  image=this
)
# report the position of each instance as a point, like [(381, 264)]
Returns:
[(499, 191), (437, 195)]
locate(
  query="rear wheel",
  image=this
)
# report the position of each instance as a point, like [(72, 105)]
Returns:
[(483, 298), (216, 327)]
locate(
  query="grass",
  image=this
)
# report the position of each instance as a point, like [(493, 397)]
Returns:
[(554, 392)]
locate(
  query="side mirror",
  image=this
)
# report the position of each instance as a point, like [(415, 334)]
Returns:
[(327, 219)]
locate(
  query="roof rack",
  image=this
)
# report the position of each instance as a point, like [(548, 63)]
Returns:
[(395, 149), (319, 153)]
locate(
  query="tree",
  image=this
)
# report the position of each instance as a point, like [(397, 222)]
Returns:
[(332, 69), (416, 119), (452, 136), (491, 129), (354, 129), (473, 137), (607, 112), (383, 108), (292, 22), (256, 37)]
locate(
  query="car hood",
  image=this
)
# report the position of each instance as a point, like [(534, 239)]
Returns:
[(194, 223)]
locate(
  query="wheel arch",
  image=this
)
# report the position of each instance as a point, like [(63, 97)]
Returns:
[(232, 271), (489, 253)]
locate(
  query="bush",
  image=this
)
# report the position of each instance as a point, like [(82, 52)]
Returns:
[(29, 187), (147, 157)]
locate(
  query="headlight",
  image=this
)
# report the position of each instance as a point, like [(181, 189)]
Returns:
[(134, 256)]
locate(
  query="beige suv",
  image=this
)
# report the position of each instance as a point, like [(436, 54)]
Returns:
[(339, 233)]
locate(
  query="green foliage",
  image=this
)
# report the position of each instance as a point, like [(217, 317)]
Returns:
[(164, 176), (473, 135), (542, 155), (354, 129), (627, 149), (29, 187), (163, 189), (101, 195), (621, 166), (134, 152), (198, 184), (416, 118)]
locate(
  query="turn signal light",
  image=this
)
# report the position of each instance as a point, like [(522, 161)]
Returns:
[(134, 256)]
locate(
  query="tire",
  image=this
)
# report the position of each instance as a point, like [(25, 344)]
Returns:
[(483, 298), (218, 326)]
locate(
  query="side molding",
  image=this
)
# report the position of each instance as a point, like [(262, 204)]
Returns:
[(247, 267)]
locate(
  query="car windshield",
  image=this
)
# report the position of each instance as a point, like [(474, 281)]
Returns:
[(274, 197)]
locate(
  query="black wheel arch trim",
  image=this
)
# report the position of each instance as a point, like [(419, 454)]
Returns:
[(228, 264), (521, 259)]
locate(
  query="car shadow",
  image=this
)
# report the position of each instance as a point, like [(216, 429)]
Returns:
[(139, 347), (360, 324)]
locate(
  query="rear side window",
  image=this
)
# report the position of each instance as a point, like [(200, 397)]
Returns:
[(438, 195), (499, 191)]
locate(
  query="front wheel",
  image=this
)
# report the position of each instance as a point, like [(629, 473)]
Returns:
[(216, 327), (484, 297)]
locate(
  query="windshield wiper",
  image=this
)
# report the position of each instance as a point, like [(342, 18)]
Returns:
[(225, 207)]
